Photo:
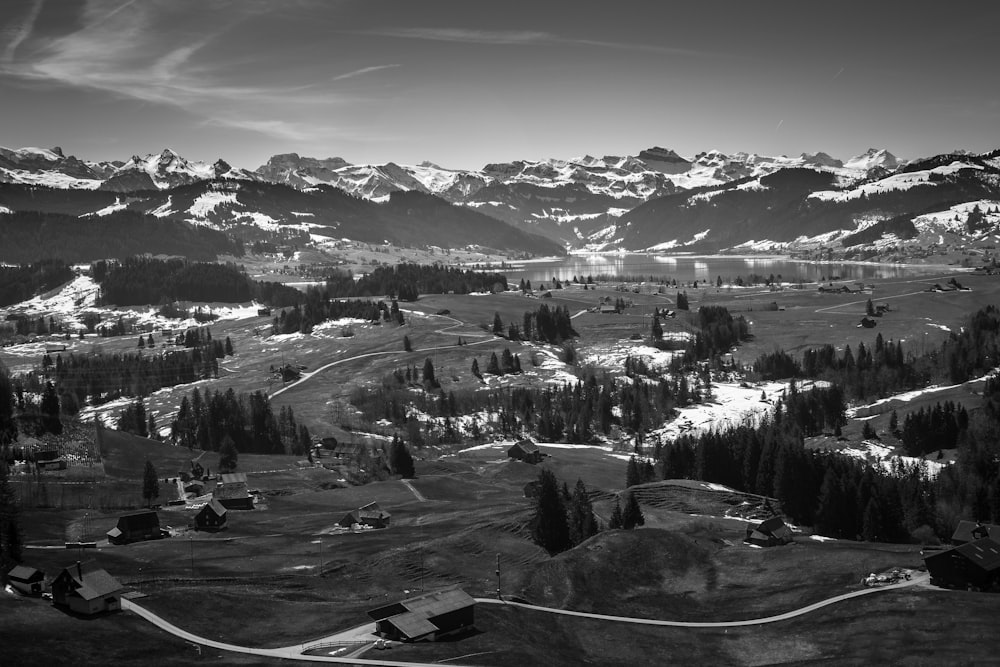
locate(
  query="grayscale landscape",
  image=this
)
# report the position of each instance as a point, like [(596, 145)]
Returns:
[(518, 334)]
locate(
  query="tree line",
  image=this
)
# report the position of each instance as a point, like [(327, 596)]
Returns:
[(407, 281), (19, 283), (247, 421)]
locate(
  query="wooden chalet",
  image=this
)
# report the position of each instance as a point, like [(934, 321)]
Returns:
[(769, 533), (211, 517), (970, 565), (970, 531), (525, 450), (26, 580), (136, 527), (370, 515), (348, 451), (428, 617), (86, 589), (232, 491)]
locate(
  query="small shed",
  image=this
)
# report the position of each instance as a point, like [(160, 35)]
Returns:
[(27, 580), (525, 450), (86, 589), (136, 527), (428, 617), (970, 531), (970, 565), (867, 322), (211, 517), (769, 533), (370, 515)]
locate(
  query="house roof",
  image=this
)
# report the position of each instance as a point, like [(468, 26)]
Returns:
[(92, 582), (215, 506), (775, 526), (526, 446), (412, 624), (983, 552), (963, 533), (372, 510), (24, 573), (233, 478), (429, 605)]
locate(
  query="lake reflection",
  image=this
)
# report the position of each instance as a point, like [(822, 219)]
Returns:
[(687, 268)]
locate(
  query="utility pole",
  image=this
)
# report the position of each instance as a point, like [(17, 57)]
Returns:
[(499, 597), (191, 545)]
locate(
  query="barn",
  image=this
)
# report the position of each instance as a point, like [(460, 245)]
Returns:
[(136, 527), (26, 579), (86, 589), (232, 492), (970, 531), (769, 533), (211, 517), (370, 515), (428, 617), (970, 565), (525, 450)]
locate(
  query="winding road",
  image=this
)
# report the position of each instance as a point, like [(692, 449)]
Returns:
[(365, 632)]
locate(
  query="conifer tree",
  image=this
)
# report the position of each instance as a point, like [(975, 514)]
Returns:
[(406, 344), (10, 527), (632, 514), (493, 367), (475, 369), (497, 324), (617, 520), (581, 515), (549, 527), (400, 460), (150, 484), (228, 455)]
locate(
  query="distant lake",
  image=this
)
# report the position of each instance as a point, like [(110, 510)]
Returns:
[(688, 268)]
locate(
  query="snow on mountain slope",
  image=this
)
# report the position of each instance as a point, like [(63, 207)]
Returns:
[(954, 219), (903, 181), (872, 158)]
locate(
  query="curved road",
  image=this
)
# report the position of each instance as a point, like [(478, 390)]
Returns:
[(921, 578), (307, 376), (295, 652)]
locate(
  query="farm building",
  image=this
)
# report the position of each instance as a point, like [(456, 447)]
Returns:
[(970, 565), (232, 492), (26, 579), (970, 531), (769, 533), (136, 527), (427, 617), (370, 515), (86, 589), (348, 451), (211, 517), (525, 450)]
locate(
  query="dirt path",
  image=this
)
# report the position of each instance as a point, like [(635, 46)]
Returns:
[(412, 488), (285, 652), (922, 578)]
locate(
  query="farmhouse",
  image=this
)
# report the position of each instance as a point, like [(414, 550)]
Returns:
[(211, 517), (970, 565), (232, 492), (769, 533), (867, 322), (970, 531), (26, 579), (136, 527), (86, 589), (525, 450), (370, 515), (427, 617)]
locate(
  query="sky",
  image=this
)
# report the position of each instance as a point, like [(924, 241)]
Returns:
[(463, 84)]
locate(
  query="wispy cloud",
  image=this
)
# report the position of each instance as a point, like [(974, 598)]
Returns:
[(20, 30), (131, 50), (519, 38), (362, 71)]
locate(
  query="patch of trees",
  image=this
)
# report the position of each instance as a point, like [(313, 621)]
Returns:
[(407, 281), (19, 283), (901, 226), (877, 371), (102, 377), (246, 419), (837, 495), (931, 429), (561, 519), (28, 235), (718, 332), (319, 307), (549, 325)]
